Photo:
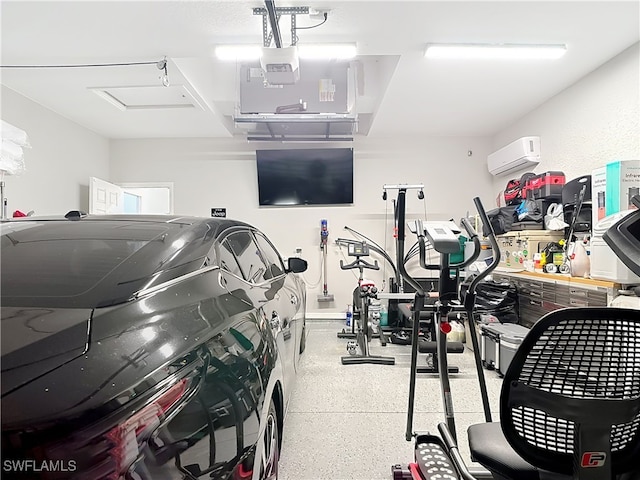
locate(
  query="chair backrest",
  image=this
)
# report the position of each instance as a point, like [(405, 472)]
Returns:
[(570, 400)]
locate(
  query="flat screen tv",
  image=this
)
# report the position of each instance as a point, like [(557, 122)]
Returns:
[(313, 176)]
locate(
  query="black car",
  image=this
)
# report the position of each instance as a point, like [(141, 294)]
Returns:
[(145, 347)]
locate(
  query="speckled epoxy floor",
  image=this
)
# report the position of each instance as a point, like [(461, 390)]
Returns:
[(347, 422)]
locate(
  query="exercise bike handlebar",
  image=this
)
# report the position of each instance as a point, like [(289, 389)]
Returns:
[(372, 246), (359, 263)]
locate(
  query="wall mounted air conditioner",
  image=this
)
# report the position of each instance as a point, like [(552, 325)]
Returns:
[(523, 153)]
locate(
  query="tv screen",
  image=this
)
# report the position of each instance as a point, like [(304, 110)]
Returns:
[(315, 176)]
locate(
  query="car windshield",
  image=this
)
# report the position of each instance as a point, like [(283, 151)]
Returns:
[(78, 264)]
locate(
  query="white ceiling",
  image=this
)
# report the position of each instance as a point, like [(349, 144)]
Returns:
[(400, 92)]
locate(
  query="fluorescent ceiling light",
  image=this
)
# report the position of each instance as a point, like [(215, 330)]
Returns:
[(308, 51), (495, 51)]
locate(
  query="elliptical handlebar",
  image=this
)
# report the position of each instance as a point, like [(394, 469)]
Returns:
[(473, 236), (423, 255), (359, 263), (423, 248), (469, 304), (495, 248)]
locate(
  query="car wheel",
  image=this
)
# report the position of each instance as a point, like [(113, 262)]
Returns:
[(271, 446), (303, 339)]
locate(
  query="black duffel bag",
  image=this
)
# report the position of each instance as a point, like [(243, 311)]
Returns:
[(499, 299), (501, 220)]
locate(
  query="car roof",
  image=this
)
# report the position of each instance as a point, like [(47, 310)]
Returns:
[(100, 260), (75, 215)]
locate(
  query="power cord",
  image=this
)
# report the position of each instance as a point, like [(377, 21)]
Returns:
[(314, 284), (160, 64), (313, 26)]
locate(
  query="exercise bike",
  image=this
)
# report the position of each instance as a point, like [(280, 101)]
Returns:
[(363, 296)]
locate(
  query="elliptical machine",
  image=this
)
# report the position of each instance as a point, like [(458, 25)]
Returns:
[(565, 412), (362, 299), (444, 240)]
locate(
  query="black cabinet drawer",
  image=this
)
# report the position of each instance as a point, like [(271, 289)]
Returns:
[(576, 292), (549, 292), (562, 294), (597, 298), (531, 310), (578, 297), (537, 297), (578, 302), (582, 297)]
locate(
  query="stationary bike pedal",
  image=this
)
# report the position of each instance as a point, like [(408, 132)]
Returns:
[(433, 460), (352, 347)]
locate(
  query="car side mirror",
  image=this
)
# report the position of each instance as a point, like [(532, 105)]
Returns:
[(296, 265)]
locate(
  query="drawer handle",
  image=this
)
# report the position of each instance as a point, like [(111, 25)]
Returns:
[(535, 294)]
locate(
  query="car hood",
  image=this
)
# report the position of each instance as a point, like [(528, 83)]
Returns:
[(36, 341)]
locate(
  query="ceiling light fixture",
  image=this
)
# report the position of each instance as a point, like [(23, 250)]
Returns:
[(495, 51), (336, 51)]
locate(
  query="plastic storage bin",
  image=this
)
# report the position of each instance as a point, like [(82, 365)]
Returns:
[(490, 340), (509, 343)]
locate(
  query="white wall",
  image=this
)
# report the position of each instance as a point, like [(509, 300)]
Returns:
[(591, 123), (211, 173), (62, 157)]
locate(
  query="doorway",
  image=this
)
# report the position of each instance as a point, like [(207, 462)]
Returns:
[(149, 198)]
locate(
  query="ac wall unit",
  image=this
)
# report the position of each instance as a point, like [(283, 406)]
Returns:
[(523, 153)]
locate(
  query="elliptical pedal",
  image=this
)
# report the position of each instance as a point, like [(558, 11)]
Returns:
[(432, 459)]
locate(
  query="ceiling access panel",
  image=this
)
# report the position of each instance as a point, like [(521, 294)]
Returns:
[(274, 112)]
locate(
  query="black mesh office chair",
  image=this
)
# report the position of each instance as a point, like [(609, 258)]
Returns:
[(570, 401)]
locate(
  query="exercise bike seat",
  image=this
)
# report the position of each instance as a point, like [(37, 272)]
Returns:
[(490, 448)]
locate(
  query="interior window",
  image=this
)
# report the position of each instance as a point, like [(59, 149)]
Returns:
[(248, 256), (228, 260), (271, 257)]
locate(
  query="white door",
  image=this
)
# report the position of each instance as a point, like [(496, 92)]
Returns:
[(105, 197)]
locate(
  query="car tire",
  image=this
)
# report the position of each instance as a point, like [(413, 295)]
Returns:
[(270, 446), (303, 339)]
